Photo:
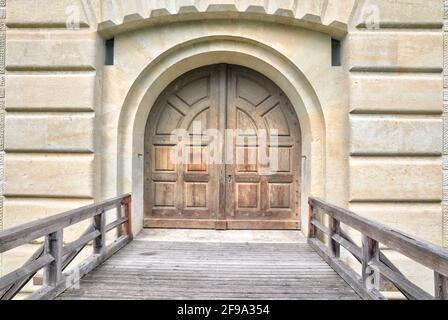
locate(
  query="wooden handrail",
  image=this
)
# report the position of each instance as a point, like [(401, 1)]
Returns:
[(54, 256), (374, 263), (17, 236)]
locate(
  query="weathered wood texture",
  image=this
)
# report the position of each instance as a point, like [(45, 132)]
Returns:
[(441, 286), (192, 270), (54, 257), (374, 264), (224, 185), (189, 270), (17, 236)]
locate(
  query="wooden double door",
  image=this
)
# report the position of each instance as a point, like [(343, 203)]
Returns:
[(206, 163)]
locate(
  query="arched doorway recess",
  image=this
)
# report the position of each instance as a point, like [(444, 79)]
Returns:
[(229, 178)]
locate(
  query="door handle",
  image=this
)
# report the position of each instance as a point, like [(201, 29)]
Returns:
[(229, 178)]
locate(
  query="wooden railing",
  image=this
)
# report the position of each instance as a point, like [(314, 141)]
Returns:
[(54, 257), (375, 266)]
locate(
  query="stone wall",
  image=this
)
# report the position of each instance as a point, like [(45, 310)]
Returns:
[(53, 95), (395, 116), (373, 129)]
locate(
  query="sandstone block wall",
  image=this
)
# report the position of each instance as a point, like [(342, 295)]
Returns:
[(53, 85), (396, 127), (386, 135)]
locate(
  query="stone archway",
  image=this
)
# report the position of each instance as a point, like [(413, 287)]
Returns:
[(188, 56)]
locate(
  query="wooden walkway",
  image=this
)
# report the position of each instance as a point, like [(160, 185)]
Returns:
[(213, 270), (187, 264)]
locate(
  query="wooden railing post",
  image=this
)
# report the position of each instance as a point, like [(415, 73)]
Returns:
[(311, 217), (53, 256), (370, 252), (375, 265), (334, 248), (99, 223), (53, 247), (441, 286), (127, 207)]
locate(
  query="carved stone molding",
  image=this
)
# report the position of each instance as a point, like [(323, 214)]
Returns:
[(331, 16)]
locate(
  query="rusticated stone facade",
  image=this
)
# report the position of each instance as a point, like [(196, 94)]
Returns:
[(373, 131)]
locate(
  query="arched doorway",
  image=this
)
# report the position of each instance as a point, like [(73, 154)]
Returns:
[(228, 177)]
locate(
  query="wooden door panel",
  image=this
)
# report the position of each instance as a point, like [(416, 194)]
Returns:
[(169, 120), (250, 88), (198, 160), (258, 199), (196, 90), (247, 195), (162, 159), (196, 195), (280, 196), (244, 121), (246, 159), (164, 194), (284, 159), (275, 120), (236, 194), (179, 193)]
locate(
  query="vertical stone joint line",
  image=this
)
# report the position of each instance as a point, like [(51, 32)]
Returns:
[(2, 111), (445, 123)]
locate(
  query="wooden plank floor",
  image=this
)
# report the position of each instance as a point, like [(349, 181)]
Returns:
[(202, 270)]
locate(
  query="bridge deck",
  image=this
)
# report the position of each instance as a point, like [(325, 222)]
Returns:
[(213, 270)]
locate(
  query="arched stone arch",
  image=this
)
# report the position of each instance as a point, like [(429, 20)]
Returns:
[(206, 51)]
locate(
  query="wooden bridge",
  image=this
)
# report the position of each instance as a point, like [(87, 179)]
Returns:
[(135, 269)]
